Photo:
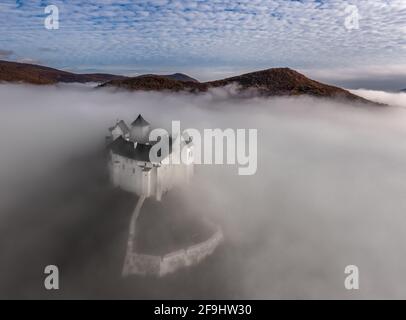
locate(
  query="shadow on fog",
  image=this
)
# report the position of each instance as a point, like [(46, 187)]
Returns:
[(80, 223)]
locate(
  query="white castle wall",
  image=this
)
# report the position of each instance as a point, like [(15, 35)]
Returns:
[(172, 262), (142, 264), (162, 265), (142, 178)]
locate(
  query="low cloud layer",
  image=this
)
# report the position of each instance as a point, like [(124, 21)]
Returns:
[(394, 99), (329, 192)]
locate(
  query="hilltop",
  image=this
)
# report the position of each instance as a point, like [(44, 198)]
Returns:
[(269, 82), (36, 74)]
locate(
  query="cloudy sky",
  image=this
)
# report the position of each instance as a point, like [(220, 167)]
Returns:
[(211, 39)]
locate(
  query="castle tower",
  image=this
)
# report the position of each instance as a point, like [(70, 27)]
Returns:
[(140, 129)]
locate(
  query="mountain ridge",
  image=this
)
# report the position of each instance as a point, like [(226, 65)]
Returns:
[(268, 82), (36, 74), (174, 76), (11, 71)]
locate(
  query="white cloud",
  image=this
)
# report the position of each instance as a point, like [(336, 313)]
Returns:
[(394, 99), (221, 33)]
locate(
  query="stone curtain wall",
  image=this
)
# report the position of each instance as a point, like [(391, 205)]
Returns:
[(190, 256), (142, 264), (161, 265)]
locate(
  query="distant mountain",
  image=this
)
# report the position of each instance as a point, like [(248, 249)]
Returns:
[(270, 82), (404, 90), (36, 74), (155, 83), (283, 82), (176, 76)]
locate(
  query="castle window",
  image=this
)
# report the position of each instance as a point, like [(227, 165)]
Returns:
[(133, 170)]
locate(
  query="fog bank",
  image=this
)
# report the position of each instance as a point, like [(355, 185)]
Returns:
[(328, 192)]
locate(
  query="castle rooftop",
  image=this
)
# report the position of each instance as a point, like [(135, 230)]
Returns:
[(126, 149), (140, 122)]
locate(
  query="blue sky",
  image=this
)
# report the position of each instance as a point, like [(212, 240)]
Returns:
[(210, 39)]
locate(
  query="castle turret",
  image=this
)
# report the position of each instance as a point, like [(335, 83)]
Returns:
[(140, 129), (120, 129)]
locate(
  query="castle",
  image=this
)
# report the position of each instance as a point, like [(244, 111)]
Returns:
[(133, 170)]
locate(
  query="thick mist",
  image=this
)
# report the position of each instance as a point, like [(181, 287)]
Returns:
[(328, 192)]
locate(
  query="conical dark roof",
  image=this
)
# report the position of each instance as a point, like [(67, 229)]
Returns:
[(140, 122)]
